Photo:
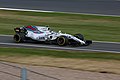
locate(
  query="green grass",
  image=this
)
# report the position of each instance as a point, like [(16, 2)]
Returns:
[(21, 52), (101, 28)]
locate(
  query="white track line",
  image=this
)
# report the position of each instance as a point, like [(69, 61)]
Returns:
[(107, 42), (14, 9), (6, 35), (51, 47)]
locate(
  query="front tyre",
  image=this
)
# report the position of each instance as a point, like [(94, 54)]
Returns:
[(19, 37), (88, 42), (62, 41)]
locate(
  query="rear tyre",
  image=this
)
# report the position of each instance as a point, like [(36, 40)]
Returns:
[(79, 36), (62, 41), (19, 37)]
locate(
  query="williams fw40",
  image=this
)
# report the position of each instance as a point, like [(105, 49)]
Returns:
[(46, 35)]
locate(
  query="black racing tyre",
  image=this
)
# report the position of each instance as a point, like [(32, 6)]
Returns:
[(19, 37), (62, 41), (79, 36), (88, 42)]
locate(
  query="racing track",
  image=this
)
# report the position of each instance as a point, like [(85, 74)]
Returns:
[(7, 40), (104, 7)]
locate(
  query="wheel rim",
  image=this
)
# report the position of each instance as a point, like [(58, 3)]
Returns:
[(17, 38), (61, 40)]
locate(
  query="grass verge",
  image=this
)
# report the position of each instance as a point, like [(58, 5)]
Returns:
[(90, 61), (58, 54), (101, 28)]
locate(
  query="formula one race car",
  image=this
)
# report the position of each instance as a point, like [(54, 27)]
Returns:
[(46, 35)]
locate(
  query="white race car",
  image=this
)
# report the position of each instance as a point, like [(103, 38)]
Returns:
[(46, 35)]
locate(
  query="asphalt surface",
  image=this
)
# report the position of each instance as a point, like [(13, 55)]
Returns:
[(96, 46), (105, 7)]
